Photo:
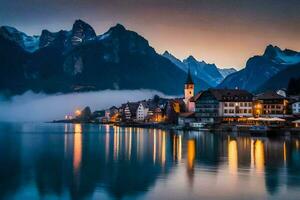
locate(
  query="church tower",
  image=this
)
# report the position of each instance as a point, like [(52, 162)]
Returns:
[(189, 88)]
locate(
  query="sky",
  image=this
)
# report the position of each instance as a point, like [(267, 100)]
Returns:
[(224, 32)]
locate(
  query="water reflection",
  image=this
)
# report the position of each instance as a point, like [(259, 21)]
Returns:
[(77, 148), (232, 155), (90, 161), (258, 155)]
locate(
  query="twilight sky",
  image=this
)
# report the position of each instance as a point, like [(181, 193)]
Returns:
[(225, 32)]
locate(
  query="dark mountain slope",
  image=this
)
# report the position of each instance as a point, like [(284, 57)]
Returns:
[(78, 60), (281, 80)]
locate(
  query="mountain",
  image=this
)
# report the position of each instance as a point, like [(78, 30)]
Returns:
[(226, 71), (175, 60), (28, 43), (79, 60), (200, 69), (259, 69), (281, 79)]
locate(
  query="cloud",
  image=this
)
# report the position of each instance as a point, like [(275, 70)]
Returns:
[(41, 107)]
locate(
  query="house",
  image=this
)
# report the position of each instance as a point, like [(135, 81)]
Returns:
[(155, 114), (189, 89), (111, 114), (130, 110), (142, 111), (216, 105), (270, 104), (173, 108)]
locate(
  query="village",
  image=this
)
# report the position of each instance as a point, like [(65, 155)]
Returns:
[(234, 109)]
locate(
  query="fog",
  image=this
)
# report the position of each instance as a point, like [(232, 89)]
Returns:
[(32, 107)]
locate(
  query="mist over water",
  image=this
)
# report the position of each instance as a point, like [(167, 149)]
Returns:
[(31, 107)]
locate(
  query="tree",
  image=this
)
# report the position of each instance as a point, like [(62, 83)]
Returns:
[(293, 86)]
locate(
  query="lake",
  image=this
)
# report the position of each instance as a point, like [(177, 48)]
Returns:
[(66, 161)]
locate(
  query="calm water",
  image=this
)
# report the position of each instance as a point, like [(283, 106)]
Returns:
[(60, 161)]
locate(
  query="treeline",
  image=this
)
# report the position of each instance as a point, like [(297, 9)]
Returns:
[(294, 86)]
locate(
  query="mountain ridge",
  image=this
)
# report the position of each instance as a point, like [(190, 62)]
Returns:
[(208, 72), (260, 68), (79, 60)]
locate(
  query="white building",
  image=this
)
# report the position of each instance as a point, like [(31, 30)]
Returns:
[(241, 108), (142, 111)]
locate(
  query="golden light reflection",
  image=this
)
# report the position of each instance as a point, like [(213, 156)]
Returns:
[(163, 148), (297, 144), (259, 155), (252, 153), (77, 151), (191, 153), (177, 151), (116, 142), (154, 146), (233, 155), (284, 152)]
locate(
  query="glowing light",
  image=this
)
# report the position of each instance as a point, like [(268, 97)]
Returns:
[(77, 112), (191, 153)]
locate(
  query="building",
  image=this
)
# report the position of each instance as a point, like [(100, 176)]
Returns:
[(173, 108), (270, 104), (216, 105), (185, 119), (111, 114), (189, 90), (130, 111), (142, 111), (155, 114)]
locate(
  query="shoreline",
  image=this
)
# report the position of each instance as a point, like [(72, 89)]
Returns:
[(235, 128)]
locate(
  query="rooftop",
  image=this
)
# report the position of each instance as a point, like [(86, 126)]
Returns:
[(269, 95)]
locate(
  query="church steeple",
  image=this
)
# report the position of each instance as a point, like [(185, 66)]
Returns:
[(189, 79)]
